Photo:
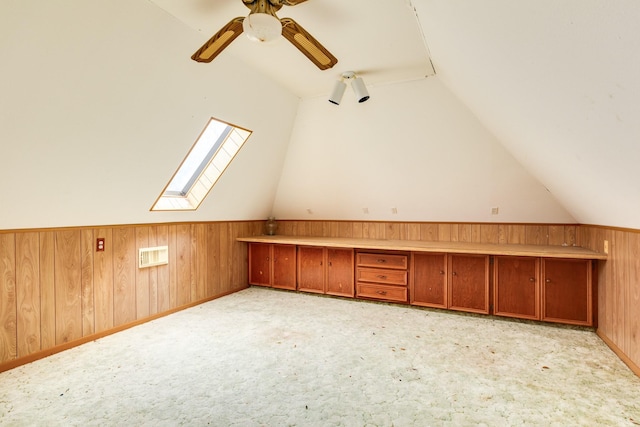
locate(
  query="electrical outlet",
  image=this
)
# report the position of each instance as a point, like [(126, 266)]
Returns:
[(100, 244), (606, 246), (365, 210), (394, 210), (495, 211)]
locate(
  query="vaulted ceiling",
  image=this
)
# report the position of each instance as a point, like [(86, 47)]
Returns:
[(90, 89)]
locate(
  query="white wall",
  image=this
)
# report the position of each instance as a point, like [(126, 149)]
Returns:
[(414, 147), (557, 82), (96, 114)]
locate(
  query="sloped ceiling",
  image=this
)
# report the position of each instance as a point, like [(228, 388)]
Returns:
[(380, 40), (95, 92), (98, 107), (558, 83)]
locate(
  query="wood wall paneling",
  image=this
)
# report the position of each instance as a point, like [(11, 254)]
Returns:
[(28, 293), (199, 264), (103, 282), (8, 313), (87, 247), (213, 258), (153, 274), (142, 279), (68, 285), (173, 262), (633, 299), (163, 298), (55, 288), (618, 289), (124, 268), (183, 264), (47, 289)]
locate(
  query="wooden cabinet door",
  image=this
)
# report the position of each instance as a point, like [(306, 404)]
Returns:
[(516, 287), (566, 291), (340, 272), (260, 264), (469, 283), (311, 269), (284, 267), (429, 280)]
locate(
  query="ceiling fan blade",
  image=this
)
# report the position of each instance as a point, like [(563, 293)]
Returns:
[(305, 42), (219, 41)]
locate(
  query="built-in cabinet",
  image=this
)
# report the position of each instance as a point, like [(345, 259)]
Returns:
[(452, 281), (325, 270), (566, 291), (468, 283), (272, 265), (551, 289), (429, 280), (516, 287)]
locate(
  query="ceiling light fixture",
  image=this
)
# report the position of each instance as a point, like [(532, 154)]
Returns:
[(262, 27), (357, 84)]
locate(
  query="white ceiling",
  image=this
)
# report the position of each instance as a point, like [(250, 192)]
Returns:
[(379, 40)]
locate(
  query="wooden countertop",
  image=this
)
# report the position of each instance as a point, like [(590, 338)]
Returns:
[(419, 246)]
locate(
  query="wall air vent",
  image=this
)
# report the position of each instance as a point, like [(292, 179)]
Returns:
[(149, 257)]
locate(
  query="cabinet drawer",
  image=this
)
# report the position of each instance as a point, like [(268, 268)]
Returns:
[(382, 292), (381, 275), (382, 260)]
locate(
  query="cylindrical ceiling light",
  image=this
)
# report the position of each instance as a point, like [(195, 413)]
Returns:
[(337, 92), (359, 89), (357, 84)]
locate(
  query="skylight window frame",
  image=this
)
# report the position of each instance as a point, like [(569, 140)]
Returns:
[(205, 176)]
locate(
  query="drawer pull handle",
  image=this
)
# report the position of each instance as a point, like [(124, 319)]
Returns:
[(381, 260), (381, 292), (380, 276)]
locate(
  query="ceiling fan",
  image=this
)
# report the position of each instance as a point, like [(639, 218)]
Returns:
[(263, 25)]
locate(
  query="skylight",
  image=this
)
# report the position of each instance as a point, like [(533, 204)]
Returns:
[(207, 160)]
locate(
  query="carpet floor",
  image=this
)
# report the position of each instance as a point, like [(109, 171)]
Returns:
[(262, 357)]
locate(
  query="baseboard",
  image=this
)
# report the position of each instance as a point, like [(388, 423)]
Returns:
[(6, 366), (630, 363)]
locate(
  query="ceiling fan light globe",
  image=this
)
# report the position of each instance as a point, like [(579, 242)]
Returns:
[(262, 27)]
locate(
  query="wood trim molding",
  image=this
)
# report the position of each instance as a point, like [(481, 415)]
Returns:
[(634, 368), (6, 366)]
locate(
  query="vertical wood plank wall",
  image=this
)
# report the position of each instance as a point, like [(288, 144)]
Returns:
[(55, 289), (524, 234), (618, 289)]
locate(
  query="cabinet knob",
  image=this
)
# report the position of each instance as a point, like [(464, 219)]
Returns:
[(548, 280), (454, 274), (532, 279), (441, 271)]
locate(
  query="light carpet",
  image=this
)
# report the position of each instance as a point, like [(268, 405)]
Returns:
[(262, 357)]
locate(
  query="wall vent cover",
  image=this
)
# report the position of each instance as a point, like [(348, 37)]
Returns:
[(149, 257)]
